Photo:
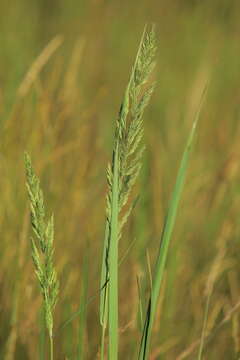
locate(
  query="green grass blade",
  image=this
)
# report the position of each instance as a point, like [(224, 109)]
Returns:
[(140, 302), (113, 265), (165, 240)]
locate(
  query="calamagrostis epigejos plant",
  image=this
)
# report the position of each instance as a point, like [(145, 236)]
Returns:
[(121, 175), (42, 248)]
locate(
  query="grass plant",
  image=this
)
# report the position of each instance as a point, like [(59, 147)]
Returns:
[(122, 175), (42, 248), (168, 256)]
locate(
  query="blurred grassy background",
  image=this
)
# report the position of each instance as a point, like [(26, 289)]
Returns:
[(63, 113)]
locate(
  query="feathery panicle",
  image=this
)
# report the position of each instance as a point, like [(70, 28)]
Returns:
[(122, 174), (129, 129), (42, 245)]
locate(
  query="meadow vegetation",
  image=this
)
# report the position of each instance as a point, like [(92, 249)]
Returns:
[(151, 272)]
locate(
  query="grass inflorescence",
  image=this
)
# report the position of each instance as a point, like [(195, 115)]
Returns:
[(122, 174), (42, 248)]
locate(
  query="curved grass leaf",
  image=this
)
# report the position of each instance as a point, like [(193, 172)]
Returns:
[(165, 240)]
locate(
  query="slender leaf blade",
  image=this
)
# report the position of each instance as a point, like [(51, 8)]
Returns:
[(166, 237)]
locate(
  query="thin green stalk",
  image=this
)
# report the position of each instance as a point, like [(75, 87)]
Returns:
[(140, 302), (113, 265), (103, 342), (42, 335), (165, 241), (104, 287), (51, 347)]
